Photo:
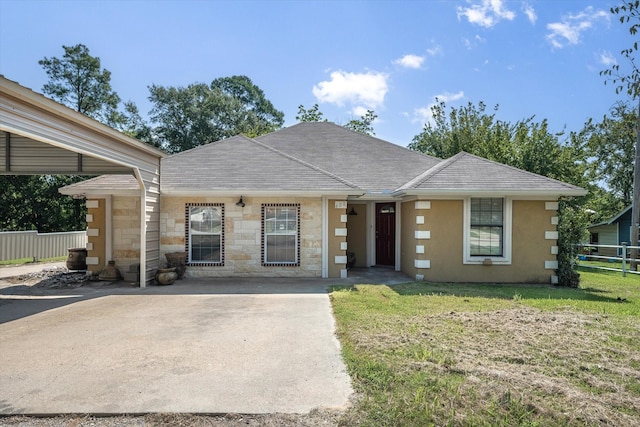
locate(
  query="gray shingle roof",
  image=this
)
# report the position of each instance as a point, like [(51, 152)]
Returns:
[(243, 164), (106, 184), (325, 158), (370, 163), (469, 173)]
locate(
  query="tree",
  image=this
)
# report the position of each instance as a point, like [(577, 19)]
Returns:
[(629, 12), (363, 125), (187, 117), (611, 147), (78, 82), (313, 114), (527, 145), (33, 203)]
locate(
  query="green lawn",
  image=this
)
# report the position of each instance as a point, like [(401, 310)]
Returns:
[(493, 355)]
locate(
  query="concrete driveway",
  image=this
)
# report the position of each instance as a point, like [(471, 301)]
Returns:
[(198, 346)]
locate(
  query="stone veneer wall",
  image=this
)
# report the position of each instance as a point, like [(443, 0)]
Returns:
[(125, 223), (242, 236)]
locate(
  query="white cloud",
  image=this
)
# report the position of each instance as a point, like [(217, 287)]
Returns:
[(530, 12), (410, 61), (470, 44), (487, 13), (364, 89), (424, 115), (435, 50), (607, 59), (360, 111), (570, 28)]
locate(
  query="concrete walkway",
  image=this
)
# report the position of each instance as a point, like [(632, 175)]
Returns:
[(198, 346)]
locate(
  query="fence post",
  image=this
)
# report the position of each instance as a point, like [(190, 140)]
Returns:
[(624, 259)]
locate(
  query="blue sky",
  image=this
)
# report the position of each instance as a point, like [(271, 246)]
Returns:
[(531, 57)]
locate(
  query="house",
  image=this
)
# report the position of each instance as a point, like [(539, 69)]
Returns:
[(309, 200), (301, 201), (615, 231)]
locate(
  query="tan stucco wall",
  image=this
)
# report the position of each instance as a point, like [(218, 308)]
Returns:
[(444, 248), (242, 237), (408, 242), (357, 233), (125, 223), (96, 243)]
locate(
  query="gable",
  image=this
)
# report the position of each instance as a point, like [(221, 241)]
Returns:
[(469, 174), (371, 163), (243, 164)]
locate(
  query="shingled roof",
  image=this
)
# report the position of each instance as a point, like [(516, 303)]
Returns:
[(466, 173), (324, 158), (243, 164), (371, 163)]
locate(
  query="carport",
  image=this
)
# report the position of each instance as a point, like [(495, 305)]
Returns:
[(39, 136)]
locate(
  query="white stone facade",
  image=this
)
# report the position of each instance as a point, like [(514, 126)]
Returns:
[(242, 236)]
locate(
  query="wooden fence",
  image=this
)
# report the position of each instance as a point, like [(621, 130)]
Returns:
[(31, 244)]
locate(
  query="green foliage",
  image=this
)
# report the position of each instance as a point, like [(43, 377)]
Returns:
[(571, 230), (77, 81), (313, 114), (187, 117), (629, 82), (527, 145), (611, 148), (364, 124), (33, 203)]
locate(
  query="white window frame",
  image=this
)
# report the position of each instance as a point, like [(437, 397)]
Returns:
[(507, 219), (190, 234), (295, 233)]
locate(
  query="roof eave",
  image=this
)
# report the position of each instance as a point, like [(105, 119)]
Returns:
[(25, 94), (260, 193), (483, 192)]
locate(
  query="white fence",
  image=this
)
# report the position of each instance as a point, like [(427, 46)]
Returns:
[(31, 244), (607, 257)]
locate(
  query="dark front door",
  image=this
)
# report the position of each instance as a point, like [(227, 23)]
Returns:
[(386, 234)]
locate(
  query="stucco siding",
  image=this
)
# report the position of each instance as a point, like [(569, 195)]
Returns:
[(243, 237), (530, 247), (357, 233), (407, 239)]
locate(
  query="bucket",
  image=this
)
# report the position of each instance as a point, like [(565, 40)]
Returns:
[(77, 259)]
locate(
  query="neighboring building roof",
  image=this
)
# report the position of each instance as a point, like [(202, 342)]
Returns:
[(615, 218), (242, 164), (466, 173), (371, 163)]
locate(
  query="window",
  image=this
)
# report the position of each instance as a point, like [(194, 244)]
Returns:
[(281, 234), (487, 230), (205, 233)]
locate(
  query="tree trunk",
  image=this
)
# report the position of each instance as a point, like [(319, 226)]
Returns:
[(635, 207)]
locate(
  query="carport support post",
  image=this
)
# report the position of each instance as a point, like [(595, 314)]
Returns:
[(143, 231)]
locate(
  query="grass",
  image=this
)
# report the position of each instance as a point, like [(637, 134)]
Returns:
[(21, 261), (493, 355)]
